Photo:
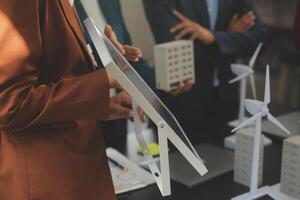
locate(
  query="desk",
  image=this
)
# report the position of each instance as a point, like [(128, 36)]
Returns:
[(221, 188)]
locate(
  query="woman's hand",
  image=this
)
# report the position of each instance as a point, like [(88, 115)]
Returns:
[(132, 54), (113, 83), (121, 107)]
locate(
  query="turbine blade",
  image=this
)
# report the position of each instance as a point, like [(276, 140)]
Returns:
[(253, 86), (255, 55), (277, 123), (267, 99), (247, 122), (238, 78)]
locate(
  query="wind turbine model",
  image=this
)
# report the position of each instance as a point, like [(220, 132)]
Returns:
[(242, 72), (259, 110)]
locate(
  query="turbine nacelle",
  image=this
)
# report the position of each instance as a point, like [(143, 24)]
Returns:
[(260, 109), (254, 107), (244, 71), (239, 69)]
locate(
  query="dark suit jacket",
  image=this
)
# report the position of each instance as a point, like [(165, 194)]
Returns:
[(50, 98), (228, 45)]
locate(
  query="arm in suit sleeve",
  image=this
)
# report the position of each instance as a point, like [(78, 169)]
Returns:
[(161, 19), (23, 102), (241, 44)]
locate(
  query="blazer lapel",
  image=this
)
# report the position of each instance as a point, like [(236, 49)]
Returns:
[(74, 23), (201, 6)]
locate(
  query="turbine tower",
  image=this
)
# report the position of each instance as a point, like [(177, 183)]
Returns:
[(259, 110)]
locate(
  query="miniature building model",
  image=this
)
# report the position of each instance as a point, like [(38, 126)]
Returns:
[(174, 64), (290, 171), (243, 157)]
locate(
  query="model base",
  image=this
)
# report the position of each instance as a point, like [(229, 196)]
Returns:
[(279, 195), (273, 192)]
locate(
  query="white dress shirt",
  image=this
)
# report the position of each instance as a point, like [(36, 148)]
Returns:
[(213, 11)]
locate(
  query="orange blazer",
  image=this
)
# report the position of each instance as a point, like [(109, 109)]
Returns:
[(51, 147)]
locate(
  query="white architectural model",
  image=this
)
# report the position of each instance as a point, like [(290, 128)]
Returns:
[(168, 127), (174, 64), (243, 157), (259, 110), (290, 170), (242, 72)]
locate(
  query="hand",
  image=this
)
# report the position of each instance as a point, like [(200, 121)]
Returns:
[(187, 86), (243, 23), (113, 83), (121, 108), (132, 54), (193, 29)]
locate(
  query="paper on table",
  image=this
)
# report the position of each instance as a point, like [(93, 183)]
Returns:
[(131, 177)]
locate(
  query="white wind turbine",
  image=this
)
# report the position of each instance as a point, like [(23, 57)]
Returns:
[(259, 110), (242, 72)]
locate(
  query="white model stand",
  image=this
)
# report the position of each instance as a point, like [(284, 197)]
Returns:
[(174, 64), (259, 110), (242, 72), (118, 67), (243, 157)]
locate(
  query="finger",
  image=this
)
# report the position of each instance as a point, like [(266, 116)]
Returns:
[(123, 112), (176, 91), (119, 46), (247, 24), (194, 36), (233, 20), (132, 58), (132, 50), (183, 33), (249, 16), (141, 114), (180, 16), (177, 27), (251, 13), (108, 31), (188, 86), (247, 27), (238, 26), (112, 37), (126, 100)]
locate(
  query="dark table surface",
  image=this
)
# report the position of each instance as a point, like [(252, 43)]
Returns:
[(220, 188), (223, 187)]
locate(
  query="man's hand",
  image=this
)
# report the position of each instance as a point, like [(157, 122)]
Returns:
[(194, 30), (243, 23), (132, 54), (121, 107), (188, 85)]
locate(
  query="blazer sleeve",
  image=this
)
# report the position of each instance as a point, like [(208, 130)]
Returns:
[(23, 102), (242, 43), (161, 19)]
